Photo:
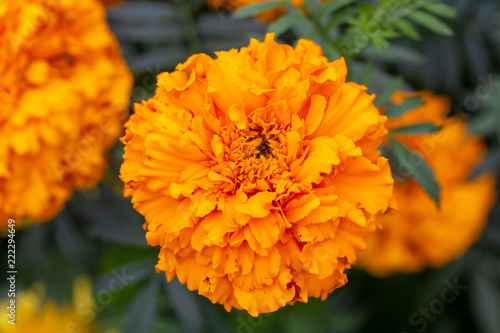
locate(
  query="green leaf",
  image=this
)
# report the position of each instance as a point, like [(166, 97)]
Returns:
[(415, 165), (408, 104), (484, 124), (330, 7), (126, 275), (420, 128), (284, 23), (367, 73), (431, 22), (385, 94), (379, 42), (339, 18), (253, 9), (441, 9), (485, 303), (397, 54), (185, 304), (407, 29), (307, 4)]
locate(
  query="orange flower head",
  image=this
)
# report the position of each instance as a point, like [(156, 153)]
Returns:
[(257, 174), (64, 94), (266, 16), (420, 234)]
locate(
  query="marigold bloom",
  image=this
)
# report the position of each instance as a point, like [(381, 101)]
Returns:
[(64, 94), (257, 174), (420, 234), (35, 314), (266, 16)]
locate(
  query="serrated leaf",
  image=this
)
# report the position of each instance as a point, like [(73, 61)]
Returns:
[(284, 23), (330, 7), (420, 128), (253, 9), (396, 111), (387, 91), (441, 9), (431, 22), (407, 29), (417, 168)]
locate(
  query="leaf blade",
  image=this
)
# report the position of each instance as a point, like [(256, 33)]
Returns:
[(417, 167), (431, 23), (256, 8), (142, 311), (284, 23), (407, 29), (330, 7), (441, 9), (409, 104), (387, 91), (420, 128)]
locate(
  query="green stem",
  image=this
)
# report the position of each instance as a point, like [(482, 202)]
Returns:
[(329, 48)]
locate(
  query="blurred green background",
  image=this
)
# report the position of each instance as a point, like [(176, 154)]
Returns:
[(99, 234)]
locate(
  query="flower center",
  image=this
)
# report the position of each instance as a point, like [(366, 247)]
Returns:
[(254, 160)]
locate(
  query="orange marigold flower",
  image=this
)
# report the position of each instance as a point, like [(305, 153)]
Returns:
[(266, 16), (34, 313), (257, 174), (64, 94), (420, 234)]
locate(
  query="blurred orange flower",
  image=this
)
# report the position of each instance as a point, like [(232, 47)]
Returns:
[(266, 16), (64, 94), (33, 312), (258, 173), (420, 234)]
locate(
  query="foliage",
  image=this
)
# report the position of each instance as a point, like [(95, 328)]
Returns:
[(389, 45)]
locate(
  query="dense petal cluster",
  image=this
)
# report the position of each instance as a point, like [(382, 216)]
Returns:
[(266, 16), (64, 93), (33, 312), (420, 234), (257, 173)]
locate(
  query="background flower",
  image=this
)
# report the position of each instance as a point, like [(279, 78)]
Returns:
[(64, 93), (32, 312), (257, 173), (421, 234)]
